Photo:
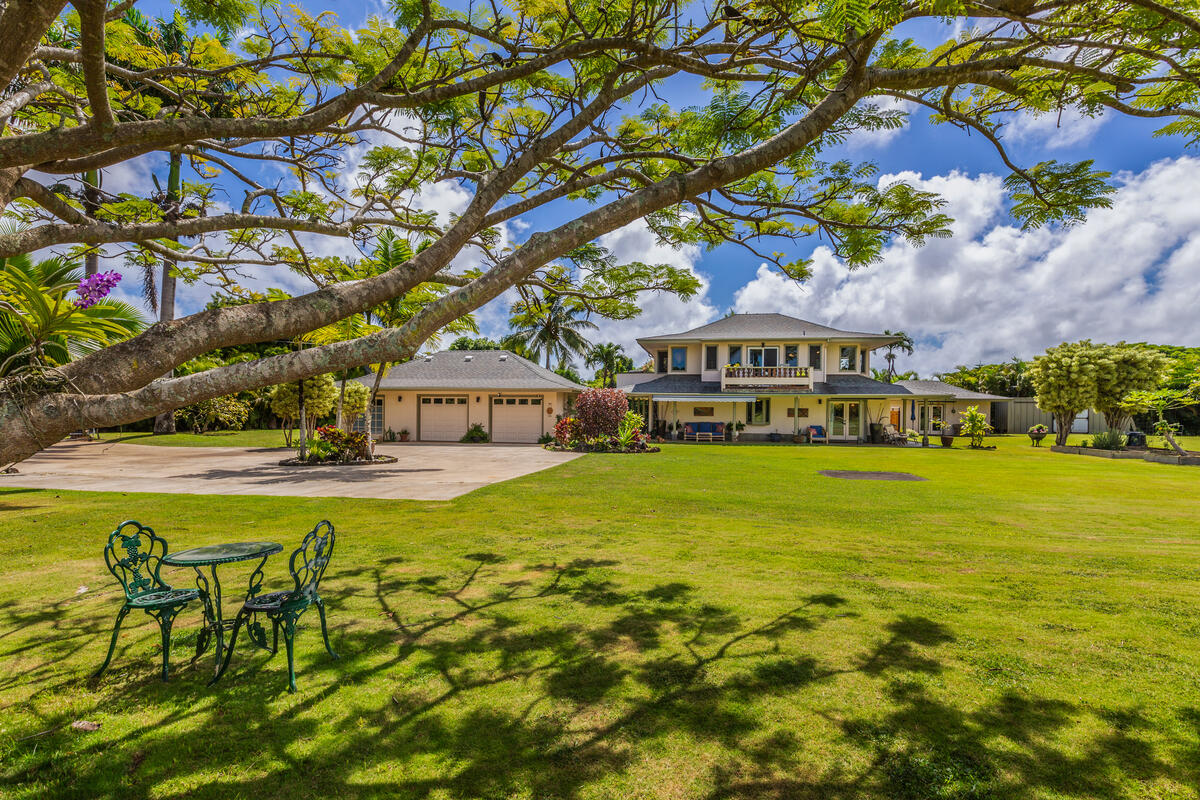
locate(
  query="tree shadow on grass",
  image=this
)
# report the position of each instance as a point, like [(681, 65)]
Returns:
[(553, 681)]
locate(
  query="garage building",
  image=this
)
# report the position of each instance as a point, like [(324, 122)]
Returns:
[(438, 397)]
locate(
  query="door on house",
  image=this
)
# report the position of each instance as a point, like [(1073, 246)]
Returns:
[(762, 356), (845, 420)]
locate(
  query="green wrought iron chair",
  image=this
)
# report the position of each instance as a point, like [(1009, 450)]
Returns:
[(284, 608), (134, 555)]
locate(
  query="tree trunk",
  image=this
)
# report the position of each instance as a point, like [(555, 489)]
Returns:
[(303, 421), (341, 403), (383, 367), (165, 423), (1063, 427), (91, 207)]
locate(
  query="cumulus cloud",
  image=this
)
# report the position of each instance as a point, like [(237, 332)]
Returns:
[(994, 291), (1056, 130)]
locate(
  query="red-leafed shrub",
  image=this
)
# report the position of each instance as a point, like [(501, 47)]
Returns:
[(601, 411), (567, 431)]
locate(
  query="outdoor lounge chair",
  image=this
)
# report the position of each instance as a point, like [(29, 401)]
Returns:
[(894, 436), (816, 433)]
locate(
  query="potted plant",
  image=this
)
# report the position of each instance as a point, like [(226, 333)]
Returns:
[(404, 434), (1037, 433), (945, 432), (738, 427)]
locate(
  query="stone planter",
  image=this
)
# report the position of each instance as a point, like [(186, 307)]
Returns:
[(876, 433), (947, 439), (1036, 438)]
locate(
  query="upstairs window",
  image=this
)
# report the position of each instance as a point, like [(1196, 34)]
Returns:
[(814, 356), (862, 362), (735, 354), (662, 360), (849, 355), (710, 356), (678, 359), (791, 355)]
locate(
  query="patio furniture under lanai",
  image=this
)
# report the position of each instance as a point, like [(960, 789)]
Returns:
[(212, 556), (134, 554), (284, 608)]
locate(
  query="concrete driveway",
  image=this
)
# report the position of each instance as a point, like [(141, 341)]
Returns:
[(422, 471)]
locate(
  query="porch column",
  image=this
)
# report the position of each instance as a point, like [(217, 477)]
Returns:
[(925, 421), (650, 415)]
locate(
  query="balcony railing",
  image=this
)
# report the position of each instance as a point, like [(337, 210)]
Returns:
[(766, 376)]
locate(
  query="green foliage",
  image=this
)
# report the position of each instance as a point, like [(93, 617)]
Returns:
[(40, 326), (629, 431), (320, 396), (1109, 440), (1009, 379), (475, 435), (219, 413), (550, 325), (1125, 369), (975, 425), (609, 359), (1055, 192), (1064, 382), (355, 399)]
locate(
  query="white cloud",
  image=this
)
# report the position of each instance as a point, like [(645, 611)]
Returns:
[(994, 291), (1056, 130)]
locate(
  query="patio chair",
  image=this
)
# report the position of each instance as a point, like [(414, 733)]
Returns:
[(894, 436), (283, 608), (134, 555), (816, 433)]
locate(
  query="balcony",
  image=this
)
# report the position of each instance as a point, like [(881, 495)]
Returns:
[(766, 377)]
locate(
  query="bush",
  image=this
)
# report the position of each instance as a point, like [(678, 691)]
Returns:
[(475, 435), (568, 431), (1109, 440), (1039, 428), (975, 425), (629, 432), (600, 411), (226, 412), (334, 444), (546, 438)]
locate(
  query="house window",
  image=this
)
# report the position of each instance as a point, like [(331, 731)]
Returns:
[(360, 421), (814, 356), (710, 356), (862, 362), (762, 356), (849, 354), (758, 412), (791, 355), (735, 354), (704, 411), (678, 359), (662, 360)]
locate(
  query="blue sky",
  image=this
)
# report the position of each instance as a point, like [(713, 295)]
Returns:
[(993, 291)]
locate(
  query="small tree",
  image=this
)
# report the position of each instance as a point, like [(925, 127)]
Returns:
[(320, 395), (1160, 402), (228, 412), (1064, 382), (601, 411), (1125, 369), (975, 425), (354, 400), (904, 343)]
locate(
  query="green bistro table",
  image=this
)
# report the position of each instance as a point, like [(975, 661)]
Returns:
[(212, 556)]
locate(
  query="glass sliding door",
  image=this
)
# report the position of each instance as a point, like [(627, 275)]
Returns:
[(853, 420), (845, 420), (837, 420)]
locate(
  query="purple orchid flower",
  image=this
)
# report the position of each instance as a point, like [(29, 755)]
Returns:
[(95, 288)]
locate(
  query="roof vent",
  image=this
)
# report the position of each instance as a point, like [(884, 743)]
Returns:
[(428, 359), (467, 358), (504, 357)]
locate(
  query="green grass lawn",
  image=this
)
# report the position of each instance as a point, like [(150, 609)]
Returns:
[(707, 622), (254, 438)]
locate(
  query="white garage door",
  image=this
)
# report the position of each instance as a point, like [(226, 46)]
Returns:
[(443, 419), (516, 419)]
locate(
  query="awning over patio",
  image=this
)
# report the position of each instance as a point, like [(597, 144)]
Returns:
[(703, 398)]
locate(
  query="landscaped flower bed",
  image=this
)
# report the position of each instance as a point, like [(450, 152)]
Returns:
[(604, 425), (334, 446)]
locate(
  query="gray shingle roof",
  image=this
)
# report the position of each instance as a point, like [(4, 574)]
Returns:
[(739, 327), (473, 369), (850, 385), (939, 387)]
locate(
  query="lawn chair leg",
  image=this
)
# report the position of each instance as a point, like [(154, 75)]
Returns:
[(202, 641), (165, 620), (112, 645), (274, 636), (237, 626), (324, 629), (289, 635)]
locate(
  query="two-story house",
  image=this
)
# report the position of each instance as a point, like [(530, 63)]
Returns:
[(778, 375)]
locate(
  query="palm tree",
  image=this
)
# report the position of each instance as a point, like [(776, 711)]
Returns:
[(902, 342), (609, 359), (550, 325), (40, 327)]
